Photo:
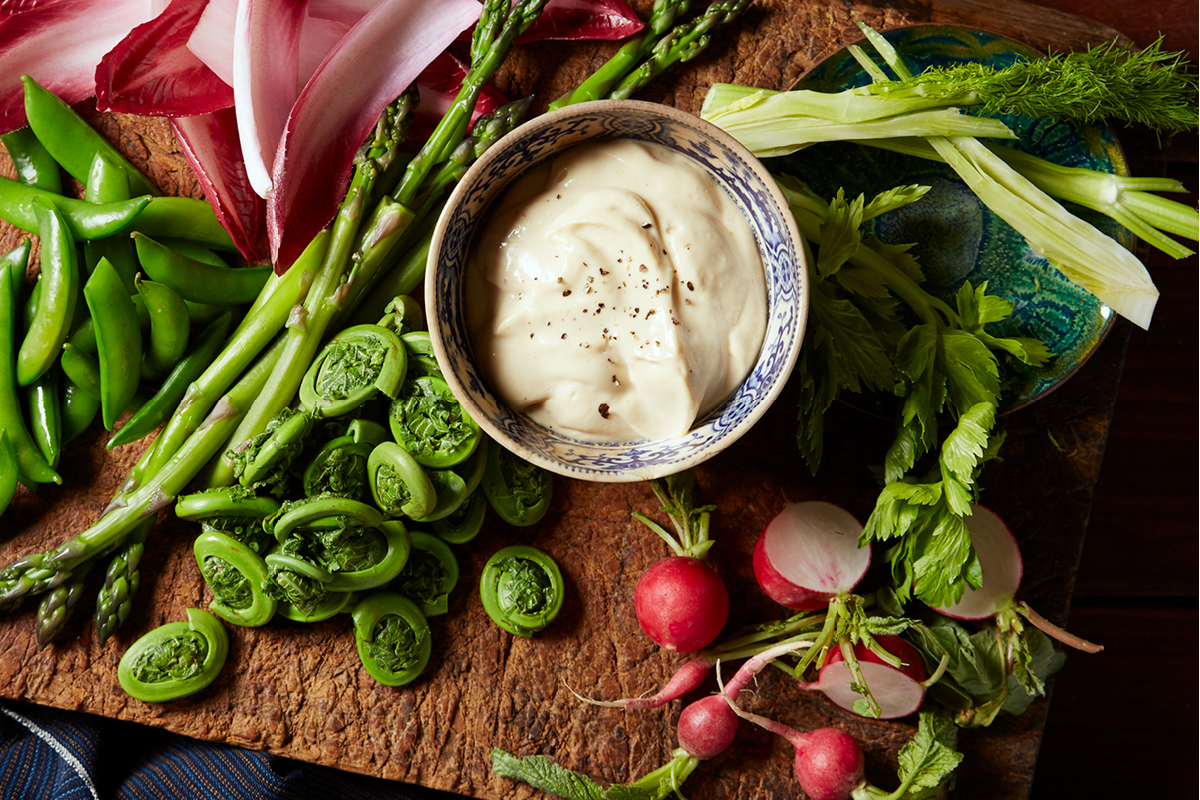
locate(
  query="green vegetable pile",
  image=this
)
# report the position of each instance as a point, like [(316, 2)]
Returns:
[(305, 428)]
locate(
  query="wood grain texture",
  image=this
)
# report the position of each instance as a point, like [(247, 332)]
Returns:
[(299, 691)]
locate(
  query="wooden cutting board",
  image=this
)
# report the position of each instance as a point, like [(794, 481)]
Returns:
[(299, 691)]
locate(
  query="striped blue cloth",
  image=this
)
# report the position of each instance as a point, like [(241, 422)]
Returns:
[(49, 754)]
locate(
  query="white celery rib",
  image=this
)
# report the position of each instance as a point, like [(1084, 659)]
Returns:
[(774, 124), (1127, 200), (1085, 255), (768, 139)]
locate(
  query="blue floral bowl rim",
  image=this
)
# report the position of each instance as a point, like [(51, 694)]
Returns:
[(694, 457)]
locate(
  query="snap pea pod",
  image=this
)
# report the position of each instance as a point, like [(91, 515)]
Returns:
[(186, 218), (59, 295), (191, 249), (8, 470), (70, 139), (170, 325), (118, 341), (197, 281), (31, 465), (42, 397), (83, 334), (79, 409), (158, 408), (45, 414), (35, 166), (18, 259), (108, 181), (81, 368), (204, 313), (85, 220)]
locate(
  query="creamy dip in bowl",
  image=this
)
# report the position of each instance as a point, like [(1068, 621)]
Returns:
[(616, 293), (621, 326)]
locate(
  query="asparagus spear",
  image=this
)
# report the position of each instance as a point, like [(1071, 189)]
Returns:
[(121, 581), (683, 43), (629, 56), (40, 572), (56, 607)]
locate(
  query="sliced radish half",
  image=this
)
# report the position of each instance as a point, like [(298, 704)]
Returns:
[(1000, 561), (809, 554), (898, 691)]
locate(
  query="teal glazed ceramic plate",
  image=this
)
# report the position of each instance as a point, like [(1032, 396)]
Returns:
[(956, 237)]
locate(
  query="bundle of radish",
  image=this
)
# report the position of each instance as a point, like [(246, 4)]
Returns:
[(808, 556), (681, 602), (829, 762)]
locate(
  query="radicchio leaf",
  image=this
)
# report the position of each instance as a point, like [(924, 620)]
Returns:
[(152, 72), (266, 57), (438, 85), (608, 20), (59, 45), (211, 146), (372, 65)]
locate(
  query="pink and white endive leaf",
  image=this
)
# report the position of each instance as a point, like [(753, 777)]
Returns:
[(212, 39), (59, 45), (317, 39), (210, 144), (372, 65), (560, 19), (346, 12), (152, 72), (266, 57)]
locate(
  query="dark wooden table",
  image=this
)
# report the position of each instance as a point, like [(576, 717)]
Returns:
[(1136, 588), (1135, 599)]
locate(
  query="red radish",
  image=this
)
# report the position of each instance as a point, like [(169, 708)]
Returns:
[(809, 554), (898, 691), (686, 679), (706, 727), (681, 604), (1000, 560), (829, 762)]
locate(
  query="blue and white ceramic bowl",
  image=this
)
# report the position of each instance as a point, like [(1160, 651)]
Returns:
[(733, 168)]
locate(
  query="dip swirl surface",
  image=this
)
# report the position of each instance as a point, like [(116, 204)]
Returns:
[(616, 293)]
